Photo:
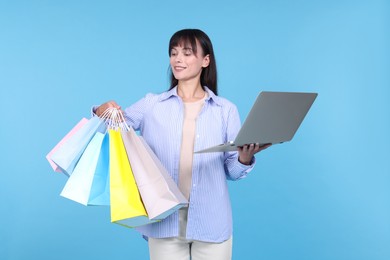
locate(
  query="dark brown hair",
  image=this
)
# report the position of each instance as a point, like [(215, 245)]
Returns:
[(188, 37)]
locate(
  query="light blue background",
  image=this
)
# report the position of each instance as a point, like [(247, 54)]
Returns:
[(325, 195)]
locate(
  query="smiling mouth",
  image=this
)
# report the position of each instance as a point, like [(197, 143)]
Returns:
[(179, 68)]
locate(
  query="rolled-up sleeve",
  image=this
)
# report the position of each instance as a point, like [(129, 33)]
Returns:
[(234, 169)]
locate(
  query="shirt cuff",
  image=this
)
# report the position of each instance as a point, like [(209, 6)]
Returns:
[(246, 168), (240, 170), (93, 110)]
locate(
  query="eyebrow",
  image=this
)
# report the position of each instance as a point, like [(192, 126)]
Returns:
[(185, 48)]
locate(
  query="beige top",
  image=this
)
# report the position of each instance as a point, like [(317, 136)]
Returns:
[(191, 111)]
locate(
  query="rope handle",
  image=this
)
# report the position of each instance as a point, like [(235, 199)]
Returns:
[(114, 119)]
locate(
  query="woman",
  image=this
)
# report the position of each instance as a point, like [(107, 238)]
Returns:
[(186, 118)]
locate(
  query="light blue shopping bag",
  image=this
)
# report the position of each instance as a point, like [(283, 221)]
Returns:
[(100, 190), (69, 153), (78, 187)]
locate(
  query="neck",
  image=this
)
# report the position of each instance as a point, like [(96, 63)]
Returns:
[(190, 92)]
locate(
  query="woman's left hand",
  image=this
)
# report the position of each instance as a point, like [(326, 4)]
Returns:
[(246, 152)]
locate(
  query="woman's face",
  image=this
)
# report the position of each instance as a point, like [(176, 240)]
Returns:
[(185, 64)]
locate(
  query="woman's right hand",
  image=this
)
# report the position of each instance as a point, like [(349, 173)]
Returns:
[(103, 107)]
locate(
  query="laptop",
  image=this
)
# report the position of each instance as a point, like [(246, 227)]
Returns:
[(274, 118)]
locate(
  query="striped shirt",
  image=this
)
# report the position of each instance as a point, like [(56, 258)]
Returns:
[(159, 118)]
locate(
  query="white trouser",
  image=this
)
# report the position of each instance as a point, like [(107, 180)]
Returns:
[(177, 248)]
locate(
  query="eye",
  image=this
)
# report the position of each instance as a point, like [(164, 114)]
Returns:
[(173, 53), (187, 52)]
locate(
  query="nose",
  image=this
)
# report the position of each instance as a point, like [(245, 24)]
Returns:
[(178, 58)]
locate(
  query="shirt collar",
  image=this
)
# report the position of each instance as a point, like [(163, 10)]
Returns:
[(173, 92)]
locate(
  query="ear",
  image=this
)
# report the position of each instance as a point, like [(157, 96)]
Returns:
[(206, 61)]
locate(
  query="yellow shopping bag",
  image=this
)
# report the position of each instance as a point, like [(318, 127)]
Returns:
[(127, 208)]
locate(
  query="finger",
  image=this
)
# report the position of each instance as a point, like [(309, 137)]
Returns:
[(111, 104), (256, 147), (243, 149), (115, 105), (265, 146)]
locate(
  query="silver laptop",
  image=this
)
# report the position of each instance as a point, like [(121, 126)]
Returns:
[(274, 118)]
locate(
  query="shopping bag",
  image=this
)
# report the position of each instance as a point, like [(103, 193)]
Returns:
[(159, 192), (127, 208), (66, 137), (68, 154), (100, 190), (78, 186)]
